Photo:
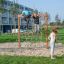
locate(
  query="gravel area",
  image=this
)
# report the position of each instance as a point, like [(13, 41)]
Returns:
[(30, 49)]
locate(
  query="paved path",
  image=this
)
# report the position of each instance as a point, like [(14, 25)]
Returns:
[(29, 49)]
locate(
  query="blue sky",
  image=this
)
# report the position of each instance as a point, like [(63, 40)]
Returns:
[(53, 7)]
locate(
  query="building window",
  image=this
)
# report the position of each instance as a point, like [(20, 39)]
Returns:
[(26, 8), (4, 20), (10, 21), (16, 21), (21, 7)]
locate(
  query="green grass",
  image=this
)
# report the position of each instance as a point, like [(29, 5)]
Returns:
[(8, 38), (30, 60), (24, 37), (32, 38), (60, 35), (61, 30)]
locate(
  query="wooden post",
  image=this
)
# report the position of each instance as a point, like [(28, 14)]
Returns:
[(19, 44), (46, 28)]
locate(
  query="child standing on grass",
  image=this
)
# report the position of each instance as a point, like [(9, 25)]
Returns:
[(52, 38)]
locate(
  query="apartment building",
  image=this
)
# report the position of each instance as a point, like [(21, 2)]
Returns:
[(8, 22)]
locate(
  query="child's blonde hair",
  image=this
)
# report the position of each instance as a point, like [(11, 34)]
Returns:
[(54, 29)]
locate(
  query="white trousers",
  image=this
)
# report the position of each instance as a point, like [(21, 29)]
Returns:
[(51, 48)]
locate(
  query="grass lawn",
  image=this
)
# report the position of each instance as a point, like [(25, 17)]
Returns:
[(31, 37), (30, 60)]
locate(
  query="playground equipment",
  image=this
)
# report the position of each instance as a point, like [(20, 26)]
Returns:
[(19, 44), (26, 14), (46, 28)]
